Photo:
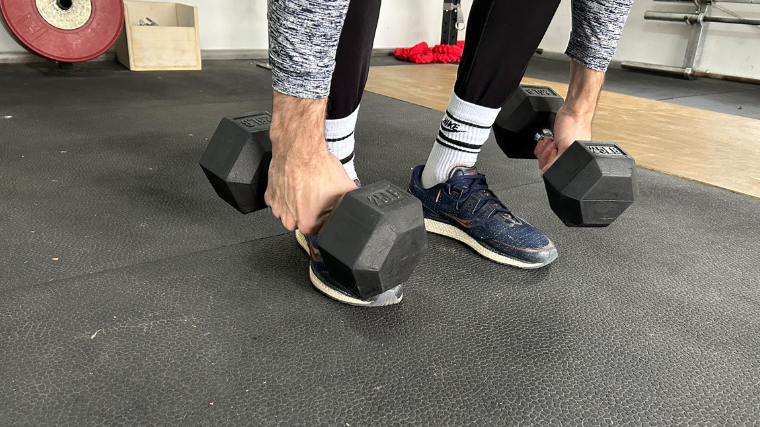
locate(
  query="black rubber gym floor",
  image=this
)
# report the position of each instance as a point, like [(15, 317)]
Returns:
[(131, 295)]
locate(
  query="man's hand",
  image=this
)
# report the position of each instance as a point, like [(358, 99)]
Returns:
[(567, 129), (305, 180), (573, 122)]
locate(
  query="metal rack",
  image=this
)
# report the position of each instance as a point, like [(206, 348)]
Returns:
[(697, 21), (453, 21)]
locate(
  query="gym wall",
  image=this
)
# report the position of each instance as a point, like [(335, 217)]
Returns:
[(728, 49), (232, 26), (236, 27)]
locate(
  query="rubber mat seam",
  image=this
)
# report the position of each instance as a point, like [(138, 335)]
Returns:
[(107, 270)]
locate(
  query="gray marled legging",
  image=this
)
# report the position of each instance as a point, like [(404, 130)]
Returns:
[(501, 37)]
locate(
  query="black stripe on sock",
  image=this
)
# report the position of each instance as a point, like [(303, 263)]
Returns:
[(458, 143), (338, 139), (454, 147), (466, 123), (347, 158)]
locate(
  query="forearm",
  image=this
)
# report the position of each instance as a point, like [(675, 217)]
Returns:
[(574, 118), (597, 26), (573, 121), (303, 38), (583, 92), (305, 181), (298, 125)]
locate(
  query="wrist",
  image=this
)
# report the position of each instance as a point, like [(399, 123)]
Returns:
[(298, 126), (582, 115), (583, 92)]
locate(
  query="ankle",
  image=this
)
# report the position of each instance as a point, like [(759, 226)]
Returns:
[(339, 134), (464, 128)]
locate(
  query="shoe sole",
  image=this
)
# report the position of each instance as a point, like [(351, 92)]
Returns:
[(389, 297), (450, 231)]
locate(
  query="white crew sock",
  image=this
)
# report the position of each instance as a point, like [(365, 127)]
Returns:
[(339, 134), (464, 129)]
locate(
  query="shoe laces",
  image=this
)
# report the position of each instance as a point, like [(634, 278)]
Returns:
[(475, 183)]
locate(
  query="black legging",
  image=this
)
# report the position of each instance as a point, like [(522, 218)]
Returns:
[(500, 40)]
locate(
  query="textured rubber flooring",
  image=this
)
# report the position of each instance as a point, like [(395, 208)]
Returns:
[(166, 307)]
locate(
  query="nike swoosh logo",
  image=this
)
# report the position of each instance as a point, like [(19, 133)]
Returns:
[(450, 130)]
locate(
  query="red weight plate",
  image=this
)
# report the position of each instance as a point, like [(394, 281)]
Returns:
[(92, 39)]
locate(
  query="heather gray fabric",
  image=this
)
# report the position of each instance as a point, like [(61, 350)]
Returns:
[(304, 35)]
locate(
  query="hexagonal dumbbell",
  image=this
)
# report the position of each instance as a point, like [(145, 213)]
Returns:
[(374, 239), (370, 243), (236, 160), (590, 184)]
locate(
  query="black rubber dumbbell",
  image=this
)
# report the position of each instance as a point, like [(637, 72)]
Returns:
[(590, 184), (371, 242)]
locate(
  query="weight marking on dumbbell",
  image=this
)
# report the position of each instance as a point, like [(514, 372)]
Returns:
[(605, 149), (386, 197), (255, 122), (539, 91)]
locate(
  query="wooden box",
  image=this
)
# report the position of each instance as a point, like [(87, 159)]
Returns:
[(173, 45)]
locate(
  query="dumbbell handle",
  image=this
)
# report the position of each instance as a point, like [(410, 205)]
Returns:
[(608, 148), (543, 133), (598, 148)]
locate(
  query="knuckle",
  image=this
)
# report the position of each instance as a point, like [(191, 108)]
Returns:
[(309, 228)]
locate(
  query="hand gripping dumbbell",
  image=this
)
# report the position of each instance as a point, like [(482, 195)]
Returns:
[(370, 243), (590, 184)]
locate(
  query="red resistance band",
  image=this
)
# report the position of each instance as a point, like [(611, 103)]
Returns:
[(422, 54)]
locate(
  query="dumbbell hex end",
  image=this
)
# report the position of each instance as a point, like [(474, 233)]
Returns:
[(236, 160), (531, 108), (374, 240), (591, 184)]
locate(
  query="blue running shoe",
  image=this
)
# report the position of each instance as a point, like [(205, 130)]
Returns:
[(321, 279), (464, 209)]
